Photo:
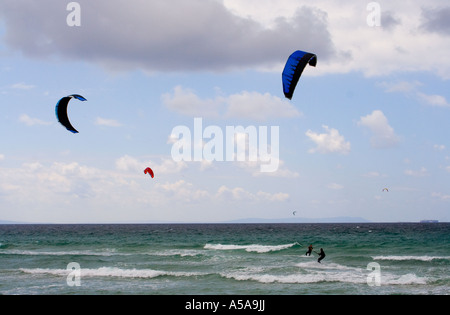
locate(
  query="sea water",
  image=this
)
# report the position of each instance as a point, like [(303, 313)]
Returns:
[(225, 259)]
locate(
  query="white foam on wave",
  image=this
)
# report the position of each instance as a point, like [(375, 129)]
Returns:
[(106, 252), (313, 272), (403, 258), (250, 248), (406, 279), (176, 252), (112, 272)]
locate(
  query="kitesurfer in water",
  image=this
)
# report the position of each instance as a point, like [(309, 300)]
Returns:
[(310, 248), (321, 255)]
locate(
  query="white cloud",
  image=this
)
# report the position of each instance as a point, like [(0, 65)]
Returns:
[(401, 86), (329, 142), (250, 105), (29, 121), (411, 89), (182, 191), (255, 169), (417, 173), (335, 186), (22, 86), (277, 197), (383, 135), (81, 193), (186, 102), (440, 196), (240, 194), (374, 174), (259, 106), (439, 147), (161, 36), (225, 35), (127, 163), (107, 122), (433, 100)]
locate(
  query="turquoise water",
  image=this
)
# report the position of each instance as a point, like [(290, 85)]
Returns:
[(223, 259)]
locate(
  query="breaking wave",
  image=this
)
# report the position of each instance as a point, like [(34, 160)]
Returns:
[(251, 248)]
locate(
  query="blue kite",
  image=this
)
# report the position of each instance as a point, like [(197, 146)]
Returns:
[(295, 65)]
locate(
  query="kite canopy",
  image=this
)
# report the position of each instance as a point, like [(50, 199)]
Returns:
[(294, 68), (148, 170), (61, 111)]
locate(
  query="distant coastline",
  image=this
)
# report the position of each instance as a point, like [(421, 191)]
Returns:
[(240, 221)]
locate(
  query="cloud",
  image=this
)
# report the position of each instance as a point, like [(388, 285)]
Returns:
[(433, 100), (186, 102), (374, 174), (440, 196), (22, 86), (335, 186), (211, 35), (436, 20), (107, 122), (29, 121), (240, 194), (410, 89), (389, 20), (417, 173), (383, 135), (182, 191), (259, 106), (255, 169), (155, 35), (439, 147), (130, 164), (329, 142), (72, 192), (250, 105), (401, 86)]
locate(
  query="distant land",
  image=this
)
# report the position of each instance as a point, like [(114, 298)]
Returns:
[(246, 220), (303, 220), (10, 222)]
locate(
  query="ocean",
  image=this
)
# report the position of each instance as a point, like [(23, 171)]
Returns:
[(225, 259)]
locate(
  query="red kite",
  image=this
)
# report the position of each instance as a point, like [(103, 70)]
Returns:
[(148, 170)]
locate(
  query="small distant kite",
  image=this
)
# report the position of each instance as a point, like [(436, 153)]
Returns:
[(294, 212), (149, 171), (294, 68), (61, 111), (385, 189)]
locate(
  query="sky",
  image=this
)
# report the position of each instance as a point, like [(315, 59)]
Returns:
[(165, 80)]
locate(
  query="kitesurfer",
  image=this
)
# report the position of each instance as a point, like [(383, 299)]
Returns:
[(321, 255), (310, 248)]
